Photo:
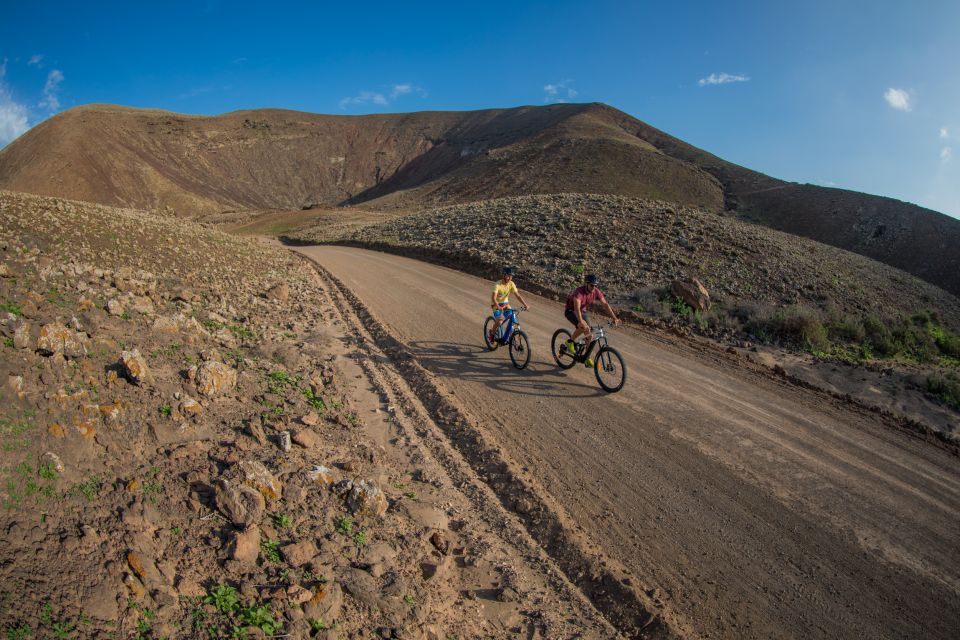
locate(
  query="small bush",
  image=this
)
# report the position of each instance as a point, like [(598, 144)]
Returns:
[(846, 329), (946, 388), (798, 327)]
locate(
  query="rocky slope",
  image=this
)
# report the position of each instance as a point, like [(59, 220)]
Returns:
[(272, 158), (191, 449)]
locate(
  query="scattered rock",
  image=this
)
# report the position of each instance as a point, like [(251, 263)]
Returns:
[(134, 366), (243, 505), (245, 545), (307, 439), (299, 553), (56, 339), (322, 475), (214, 378), (365, 498), (326, 602), (692, 292), (280, 292), (115, 307), (257, 476)]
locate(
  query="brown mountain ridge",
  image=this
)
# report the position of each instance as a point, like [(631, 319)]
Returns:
[(270, 158)]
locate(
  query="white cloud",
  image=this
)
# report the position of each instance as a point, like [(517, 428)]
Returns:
[(944, 133), (50, 99), (559, 92), (722, 78), (898, 99), (945, 154), (13, 115), (383, 98), (36, 59)]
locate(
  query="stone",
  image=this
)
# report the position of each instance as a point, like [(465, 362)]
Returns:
[(52, 459), (57, 339), (143, 305), (311, 419), (111, 412), (321, 475), (365, 498), (16, 384), (693, 293), (245, 545), (5, 271), (115, 307), (190, 407), (307, 438), (285, 441), (243, 505), (257, 476), (280, 292), (298, 594), (100, 601), (440, 543), (326, 603), (21, 336), (214, 378), (134, 366), (299, 553)]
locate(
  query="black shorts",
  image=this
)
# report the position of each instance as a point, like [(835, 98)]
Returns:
[(571, 315)]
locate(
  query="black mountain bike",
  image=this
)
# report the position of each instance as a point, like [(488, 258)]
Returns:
[(509, 333), (608, 364)]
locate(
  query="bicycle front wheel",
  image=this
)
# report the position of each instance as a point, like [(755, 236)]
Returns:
[(519, 349), (487, 328), (610, 369), (558, 347)]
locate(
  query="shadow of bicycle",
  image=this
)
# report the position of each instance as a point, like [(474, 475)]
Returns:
[(471, 362)]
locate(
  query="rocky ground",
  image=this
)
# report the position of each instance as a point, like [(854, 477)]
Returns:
[(767, 287), (193, 445)]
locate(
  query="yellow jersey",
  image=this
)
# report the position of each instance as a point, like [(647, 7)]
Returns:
[(501, 292)]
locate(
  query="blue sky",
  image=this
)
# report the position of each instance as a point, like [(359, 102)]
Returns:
[(853, 94)]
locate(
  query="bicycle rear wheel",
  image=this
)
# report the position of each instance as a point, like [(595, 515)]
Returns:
[(519, 349), (487, 328), (558, 347), (610, 369)]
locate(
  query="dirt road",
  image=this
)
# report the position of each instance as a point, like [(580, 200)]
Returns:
[(749, 507)]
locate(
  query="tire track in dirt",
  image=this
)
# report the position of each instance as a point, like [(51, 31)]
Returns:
[(600, 578)]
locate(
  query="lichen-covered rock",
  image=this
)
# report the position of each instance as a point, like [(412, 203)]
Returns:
[(134, 366), (214, 378), (257, 476), (56, 338), (693, 293), (115, 307), (21, 336), (365, 498), (243, 505)]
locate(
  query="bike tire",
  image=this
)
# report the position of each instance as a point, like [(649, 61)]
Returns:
[(519, 349), (610, 369), (563, 359), (487, 326)]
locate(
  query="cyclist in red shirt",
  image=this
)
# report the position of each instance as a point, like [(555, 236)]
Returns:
[(576, 312)]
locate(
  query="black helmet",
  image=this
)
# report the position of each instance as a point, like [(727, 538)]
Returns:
[(508, 271), (591, 279)]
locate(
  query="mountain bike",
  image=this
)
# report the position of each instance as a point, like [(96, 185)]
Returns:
[(609, 368), (509, 333)]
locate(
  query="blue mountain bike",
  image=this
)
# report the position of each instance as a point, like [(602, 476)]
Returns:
[(508, 334)]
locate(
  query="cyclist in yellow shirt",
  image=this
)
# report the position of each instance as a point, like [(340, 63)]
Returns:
[(500, 300)]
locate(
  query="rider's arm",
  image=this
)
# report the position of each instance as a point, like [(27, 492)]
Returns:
[(577, 310), (616, 320), (522, 301), (493, 298)]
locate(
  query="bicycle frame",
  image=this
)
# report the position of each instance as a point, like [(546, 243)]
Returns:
[(511, 321), (598, 338)]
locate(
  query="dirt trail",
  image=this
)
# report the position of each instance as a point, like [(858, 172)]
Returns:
[(746, 506)]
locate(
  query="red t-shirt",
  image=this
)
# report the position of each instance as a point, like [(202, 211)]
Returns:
[(586, 298)]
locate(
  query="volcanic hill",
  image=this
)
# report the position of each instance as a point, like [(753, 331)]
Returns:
[(277, 159)]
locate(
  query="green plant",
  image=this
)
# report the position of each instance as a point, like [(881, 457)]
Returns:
[(166, 410), (261, 617), (176, 530), (408, 599), (637, 308), (19, 633), (88, 488), (224, 598), (314, 401), (317, 625), (8, 342), (946, 388), (578, 268), (410, 494), (277, 381), (282, 520), (360, 538), (271, 550), (12, 307), (62, 629), (240, 332), (345, 525)]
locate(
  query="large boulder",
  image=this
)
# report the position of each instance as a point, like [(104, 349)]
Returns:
[(365, 498), (693, 293), (214, 378), (243, 505), (134, 366)]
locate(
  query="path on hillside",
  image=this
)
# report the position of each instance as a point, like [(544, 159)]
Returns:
[(753, 508)]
